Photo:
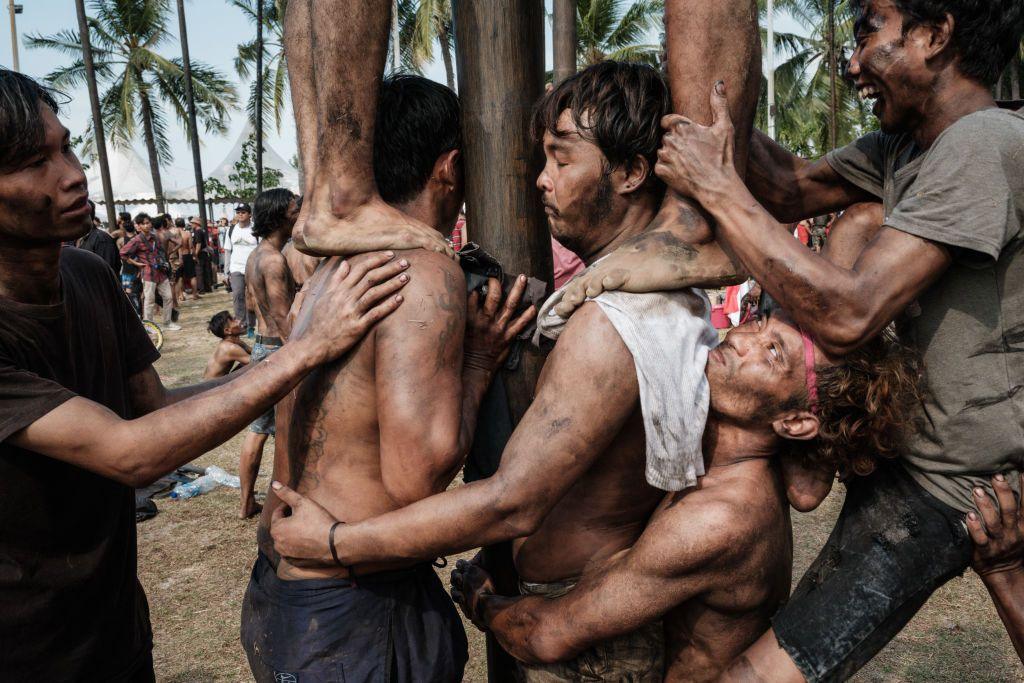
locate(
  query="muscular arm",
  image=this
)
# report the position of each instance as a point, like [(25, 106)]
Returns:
[(793, 189), (841, 307), (667, 566), (586, 393), (148, 393), (135, 452)]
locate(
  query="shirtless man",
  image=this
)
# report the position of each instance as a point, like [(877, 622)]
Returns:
[(388, 425), (230, 350), (572, 484), (271, 289), (186, 253), (715, 561)]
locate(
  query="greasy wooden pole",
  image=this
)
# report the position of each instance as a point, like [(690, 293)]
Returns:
[(564, 39), (500, 58), (193, 131), (97, 118)]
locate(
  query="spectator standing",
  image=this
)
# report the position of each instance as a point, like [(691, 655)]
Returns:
[(201, 254), (143, 252), (101, 244), (130, 282), (238, 246)]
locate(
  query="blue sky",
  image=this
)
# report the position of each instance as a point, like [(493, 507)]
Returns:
[(215, 28)]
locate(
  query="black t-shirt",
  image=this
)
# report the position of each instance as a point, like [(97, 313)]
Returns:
[(71, 607), (104, 246), (200, 238)]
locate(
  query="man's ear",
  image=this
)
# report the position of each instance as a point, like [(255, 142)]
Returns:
[(934, 38), (446, 168), (632, 176), (798, 425)]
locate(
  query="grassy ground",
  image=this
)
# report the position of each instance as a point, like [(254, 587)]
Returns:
[(195, 558)]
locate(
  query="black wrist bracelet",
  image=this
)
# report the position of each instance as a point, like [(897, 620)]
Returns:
[(330, 541)]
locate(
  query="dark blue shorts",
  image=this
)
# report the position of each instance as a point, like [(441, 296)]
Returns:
[(892, 546), (393, 626)]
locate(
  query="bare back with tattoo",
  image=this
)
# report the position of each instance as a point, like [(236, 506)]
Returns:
[(371, 432)]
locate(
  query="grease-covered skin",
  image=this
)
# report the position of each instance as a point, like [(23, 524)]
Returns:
[(715, 560), (362, 436), (342, 212)]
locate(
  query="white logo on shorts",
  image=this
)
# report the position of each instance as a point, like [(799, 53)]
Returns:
[(280, 677)]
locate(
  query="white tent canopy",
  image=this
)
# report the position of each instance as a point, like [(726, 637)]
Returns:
[(129, 177), (225, 168)]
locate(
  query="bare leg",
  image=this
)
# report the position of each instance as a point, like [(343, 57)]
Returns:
[(709, 42), (763, 661), (340, 70), (248, 470)]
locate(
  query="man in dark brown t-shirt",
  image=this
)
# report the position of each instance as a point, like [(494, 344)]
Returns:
[(84, 417)]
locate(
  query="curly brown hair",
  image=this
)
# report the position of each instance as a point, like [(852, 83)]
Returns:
[(866, 407)]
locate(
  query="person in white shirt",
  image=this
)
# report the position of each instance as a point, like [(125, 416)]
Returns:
[(238, 245)]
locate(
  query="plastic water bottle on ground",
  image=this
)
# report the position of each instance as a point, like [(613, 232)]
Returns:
[(195, 488), (222, 477)]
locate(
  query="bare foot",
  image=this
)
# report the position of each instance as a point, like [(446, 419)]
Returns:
[(250, 508), (373, 226)]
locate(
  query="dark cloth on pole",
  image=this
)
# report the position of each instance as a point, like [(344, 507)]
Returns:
[(71, 606)]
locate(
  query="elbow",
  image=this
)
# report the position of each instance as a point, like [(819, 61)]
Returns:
[(841, 337), (521, 514), (551, 649), (434, 472)]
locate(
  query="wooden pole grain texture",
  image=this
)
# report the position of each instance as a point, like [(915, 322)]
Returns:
[(564, 39), (500, 59), (500, 56)]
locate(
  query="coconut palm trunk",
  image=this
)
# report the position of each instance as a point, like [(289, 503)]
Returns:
[(190, 102), (97, 118), (150, 137), (446, 56)]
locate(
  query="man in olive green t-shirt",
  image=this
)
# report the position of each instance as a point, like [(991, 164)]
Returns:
[(946, 265)]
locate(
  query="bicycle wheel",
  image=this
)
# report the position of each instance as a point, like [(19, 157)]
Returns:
[(155, 334)]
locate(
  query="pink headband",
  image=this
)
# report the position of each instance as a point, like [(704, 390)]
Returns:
[(812, 377)]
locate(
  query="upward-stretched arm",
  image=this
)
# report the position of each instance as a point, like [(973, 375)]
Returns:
[(667, 566), (587, 391)]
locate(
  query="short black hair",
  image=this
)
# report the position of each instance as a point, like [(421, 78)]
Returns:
[(159, 222), (218, 323), (141, 218), (21, 127), (418, 120), (271, 206), (179, 222), (125, 217), (616, 105), (986, 33)]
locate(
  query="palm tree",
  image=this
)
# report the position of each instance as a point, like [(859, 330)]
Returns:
[(421, 23), (275, 62), (139, 83), (607, 29), (808, 119)]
